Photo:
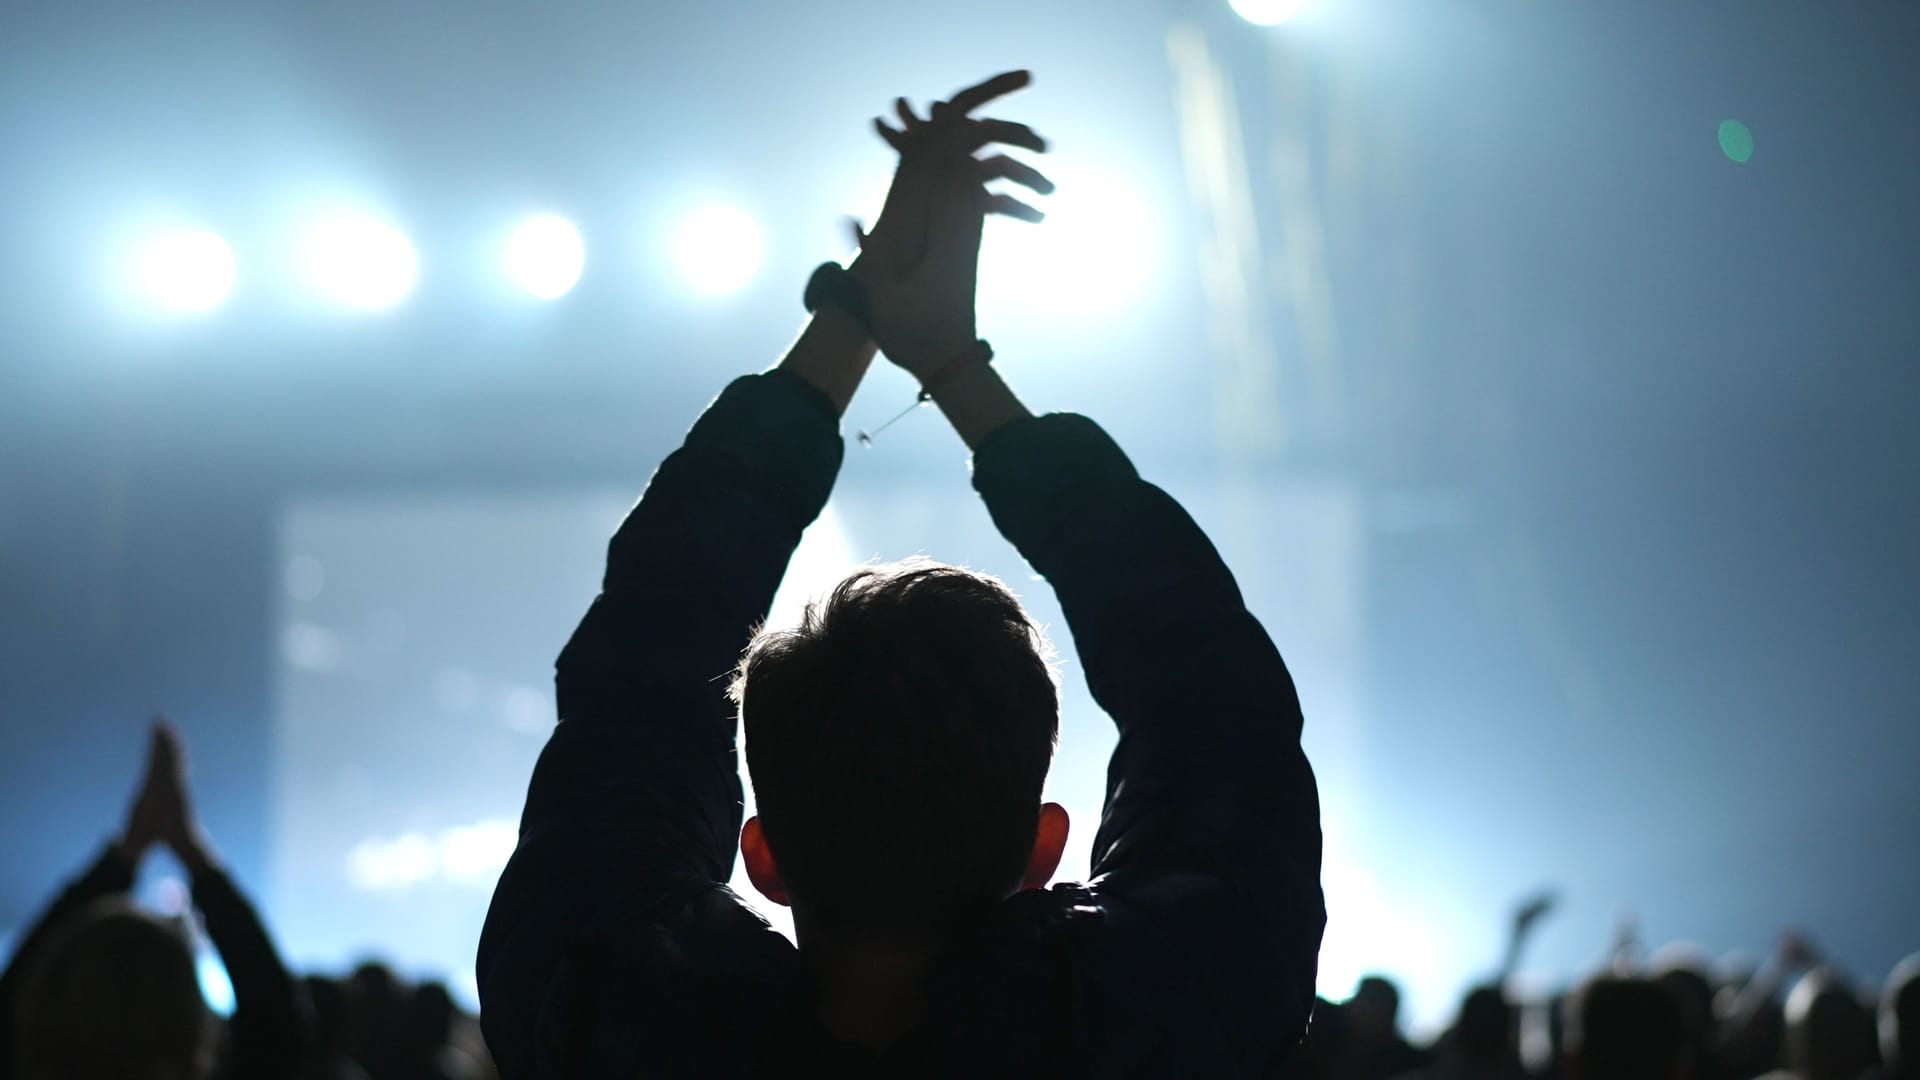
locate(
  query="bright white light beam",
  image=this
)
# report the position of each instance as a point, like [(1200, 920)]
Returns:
[(718, 249), (546, 255), (362, 262), (188, 271)]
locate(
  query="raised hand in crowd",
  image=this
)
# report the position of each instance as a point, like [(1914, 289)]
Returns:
[(101, 988)]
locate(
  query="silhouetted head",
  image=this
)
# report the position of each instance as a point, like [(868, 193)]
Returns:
[(898, 739), (1829, 1030), (332, 1011), (1374, 1008), (379, 1000), (1900, 1019), (114, 994), (429, 1020), (1692, 992), (1621, 1028), (1486, 1025)]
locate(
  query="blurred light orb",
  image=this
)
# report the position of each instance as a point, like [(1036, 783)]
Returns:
[(718, 249), (1094, 253), (1267, 12), (546, 255), (188, 271), (362, 262)]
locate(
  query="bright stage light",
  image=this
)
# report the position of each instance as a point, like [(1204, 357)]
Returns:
[(546, 255), (718, 249), (362, 262), (1267, 12), (1094, 253), (189, 271)]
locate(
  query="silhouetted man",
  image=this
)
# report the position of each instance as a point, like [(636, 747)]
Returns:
[(898, 740), (1620, 1028), (1376, 1050), (1900, 1022), (100, 988), (1829, 1030)]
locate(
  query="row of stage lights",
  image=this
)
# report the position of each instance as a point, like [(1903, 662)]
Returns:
[(1095, 253), (368, 264)]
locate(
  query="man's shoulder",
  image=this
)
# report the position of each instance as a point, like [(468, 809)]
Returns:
[(679, 987), (1172, 977)]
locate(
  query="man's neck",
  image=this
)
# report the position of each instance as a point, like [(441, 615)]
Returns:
[(871, 994)]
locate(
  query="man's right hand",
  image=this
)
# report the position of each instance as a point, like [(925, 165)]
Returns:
[(920, 262)]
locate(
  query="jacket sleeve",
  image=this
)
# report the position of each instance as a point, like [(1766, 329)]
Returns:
[(636, 800), (268, 1037), (1211, 814), (108, 876)]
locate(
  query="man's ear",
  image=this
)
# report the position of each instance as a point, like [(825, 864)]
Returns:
[(759, 859), (1049, 842)]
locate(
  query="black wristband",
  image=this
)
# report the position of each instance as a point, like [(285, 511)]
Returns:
[(832, 286)]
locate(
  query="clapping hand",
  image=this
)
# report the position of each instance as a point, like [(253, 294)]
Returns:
[(162, 811), (920, 262)]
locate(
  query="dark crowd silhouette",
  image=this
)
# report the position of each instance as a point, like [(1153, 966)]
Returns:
[(1670, 1016), (898, 741), (100, 988)]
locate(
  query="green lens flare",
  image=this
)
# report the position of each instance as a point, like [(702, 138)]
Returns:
[(1736, 141)]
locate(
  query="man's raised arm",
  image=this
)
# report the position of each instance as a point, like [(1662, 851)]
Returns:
[(635, 806), (1211, 816)]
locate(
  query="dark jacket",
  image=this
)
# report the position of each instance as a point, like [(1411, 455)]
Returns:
[(266, 1039), (614, 950)]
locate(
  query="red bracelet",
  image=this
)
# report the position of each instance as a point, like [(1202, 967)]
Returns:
[(981, 352)]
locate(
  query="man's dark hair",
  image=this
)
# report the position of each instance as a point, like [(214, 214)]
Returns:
[(1622, 1028), (898, 740)]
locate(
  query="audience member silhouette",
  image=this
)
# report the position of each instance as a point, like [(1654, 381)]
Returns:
[(1625, 1028), (898, 741), (1692, 993), (99, 988), (1900, 1022), (431, 1043), (331, 1053), (379, 1031), (1829, 1031), (1375, 1048), (1751, 1015)]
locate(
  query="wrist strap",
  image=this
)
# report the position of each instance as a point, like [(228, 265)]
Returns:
[(980, 353), (832, 286)]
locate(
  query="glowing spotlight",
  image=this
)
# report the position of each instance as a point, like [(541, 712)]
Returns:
[(718, 249), (190, 271), (362, 262), (1094, 253), (1267, 12), (546, 255)]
